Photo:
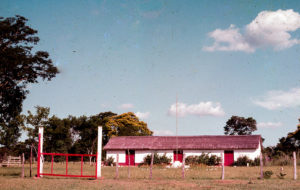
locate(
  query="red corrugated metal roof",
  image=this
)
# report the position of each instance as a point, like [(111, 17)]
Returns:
[(184, 142)]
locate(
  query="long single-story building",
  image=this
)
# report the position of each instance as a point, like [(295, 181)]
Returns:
[(133, 149)]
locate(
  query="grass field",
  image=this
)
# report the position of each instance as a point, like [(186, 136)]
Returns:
[(196, 178)]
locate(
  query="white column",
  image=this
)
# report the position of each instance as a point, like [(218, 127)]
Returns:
[(99, 152), (41, 133)]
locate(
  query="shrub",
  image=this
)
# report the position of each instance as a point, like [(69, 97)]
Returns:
[(256, 162), (268, 174), (109, 161), (203, 159), (157, 159), (242, 161)]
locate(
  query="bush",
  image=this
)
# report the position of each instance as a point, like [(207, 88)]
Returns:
[(242, 161), (268, 174), (203, 159), (109, 161), (157, 159)]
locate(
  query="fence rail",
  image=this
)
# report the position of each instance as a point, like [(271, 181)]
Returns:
[(12, 161)]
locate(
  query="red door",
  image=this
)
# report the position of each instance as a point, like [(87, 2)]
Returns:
[(178, 155), (130, 158), (229, 159)]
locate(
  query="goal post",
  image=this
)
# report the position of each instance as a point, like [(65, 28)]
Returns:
[(41, 154)]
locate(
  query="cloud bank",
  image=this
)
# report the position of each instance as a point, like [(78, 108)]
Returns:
[(142, 115), (269, 124), (268, 29), (274, 100), (126, 106), (201, 109)]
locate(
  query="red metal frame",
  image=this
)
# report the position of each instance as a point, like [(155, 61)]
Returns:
[(67, 158)]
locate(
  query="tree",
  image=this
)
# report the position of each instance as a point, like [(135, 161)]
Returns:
[(19, 66), (240, 126), (33, 122), (86, 128), (291, 142), (10, 132), (127, 124), (57, 135)]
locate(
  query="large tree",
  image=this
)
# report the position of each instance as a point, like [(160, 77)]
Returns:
[(127, 124), (85, 132), (240, 126), (291, 142), (19, 66), (34, 121)]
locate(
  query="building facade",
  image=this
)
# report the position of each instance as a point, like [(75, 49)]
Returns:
[(133, 149)]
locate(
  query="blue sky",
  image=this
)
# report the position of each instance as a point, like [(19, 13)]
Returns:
[(220, 59)]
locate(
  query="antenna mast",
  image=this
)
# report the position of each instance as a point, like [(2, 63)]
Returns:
[(176, 127)]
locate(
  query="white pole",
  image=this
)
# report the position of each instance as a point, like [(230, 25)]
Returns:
[(295, 165), (223, 168), (99, 152), (41, 133)]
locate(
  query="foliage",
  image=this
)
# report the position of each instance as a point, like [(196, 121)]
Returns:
[(85, 132), (157, 159), (110, 161), (267, 174), (244, 160), (284, 147), (126, 124), (281, 175), (10, 132), (291, 142), (240, 126), (33, 122), (57, 136), (203, 159), (19, 67)]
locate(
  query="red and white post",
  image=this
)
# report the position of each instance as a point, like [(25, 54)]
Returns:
[(99, 152), (40, 151)]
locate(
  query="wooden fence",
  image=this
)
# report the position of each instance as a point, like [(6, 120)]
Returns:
[(12, 161)]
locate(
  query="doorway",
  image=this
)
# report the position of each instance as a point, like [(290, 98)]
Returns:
[(130, 154), (228, 157)]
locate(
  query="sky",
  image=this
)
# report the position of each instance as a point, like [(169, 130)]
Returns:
[(219, 58)]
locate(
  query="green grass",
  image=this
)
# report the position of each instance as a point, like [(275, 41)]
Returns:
[(195, 178)]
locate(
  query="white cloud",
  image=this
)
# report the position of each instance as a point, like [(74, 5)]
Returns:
[(269, 124), (142, 115), (268, 29), (228, 40), (201, 109), (126, 106), (280, 99), (163, 133)]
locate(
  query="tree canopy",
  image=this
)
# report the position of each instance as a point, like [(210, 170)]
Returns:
[(79, 134), (291, 142), (19, 66), (240, 126), (127, 124)]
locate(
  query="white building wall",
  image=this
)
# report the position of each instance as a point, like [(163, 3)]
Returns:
[(250, 153), (141, 154), (169, 154), (113, 153), (199, 152)]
